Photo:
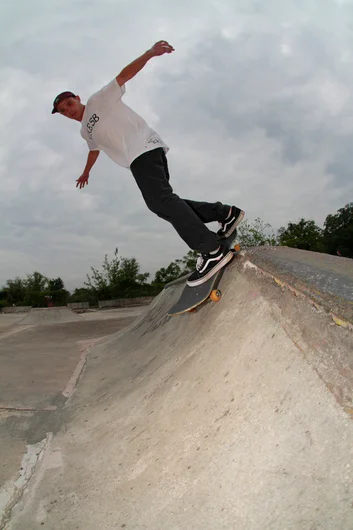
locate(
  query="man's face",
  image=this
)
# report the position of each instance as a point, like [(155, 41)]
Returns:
[(71, 108)]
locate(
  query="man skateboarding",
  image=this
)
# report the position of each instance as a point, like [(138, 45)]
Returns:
[(111, 126)]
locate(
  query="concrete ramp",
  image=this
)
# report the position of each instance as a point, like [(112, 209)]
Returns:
[(49, 315), (237, 417)]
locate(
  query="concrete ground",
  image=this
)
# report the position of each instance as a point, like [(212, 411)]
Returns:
[(236, 417), (40, 366)]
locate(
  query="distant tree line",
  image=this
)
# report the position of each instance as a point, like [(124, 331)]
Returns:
[(121, 277)]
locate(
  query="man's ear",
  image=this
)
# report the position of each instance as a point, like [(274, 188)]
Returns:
[(78, 98)]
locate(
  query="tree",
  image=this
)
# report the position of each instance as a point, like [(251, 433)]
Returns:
[(338, 232), (29, 291), (36, 282), (188, 262), (256, 234), (118, 278), (168, 274), (129, 273), (176, 269), (14, 292), (56, 284), (57, 291), (83, 295), (37, 288), (305, 235), (3, 294)]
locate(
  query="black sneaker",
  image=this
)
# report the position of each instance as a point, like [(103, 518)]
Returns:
[(208, 264), (229, 225)]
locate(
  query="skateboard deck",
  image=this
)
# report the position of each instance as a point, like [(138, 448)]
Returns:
[(192, 297)]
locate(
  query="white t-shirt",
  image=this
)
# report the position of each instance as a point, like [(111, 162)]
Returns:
[(111, 126)]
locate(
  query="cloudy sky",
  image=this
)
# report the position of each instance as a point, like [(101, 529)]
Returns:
[(255, 104)]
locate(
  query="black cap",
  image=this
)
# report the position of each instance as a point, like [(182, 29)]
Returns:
[(61, 97)]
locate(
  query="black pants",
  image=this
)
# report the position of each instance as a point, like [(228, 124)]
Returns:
[(150, 171)]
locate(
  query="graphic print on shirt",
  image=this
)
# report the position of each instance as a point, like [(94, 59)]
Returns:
[(90, 124), (154, 140)]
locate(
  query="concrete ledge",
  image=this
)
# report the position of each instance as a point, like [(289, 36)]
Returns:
[(325, 279), (16, 309), (126, 302)]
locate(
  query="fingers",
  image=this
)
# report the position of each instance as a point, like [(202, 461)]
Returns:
[(164, 45), (81, 182)]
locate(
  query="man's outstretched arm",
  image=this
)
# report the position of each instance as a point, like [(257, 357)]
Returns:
[(160, 48), (91, 160)]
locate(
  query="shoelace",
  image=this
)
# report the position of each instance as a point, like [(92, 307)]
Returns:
[(199, 262)]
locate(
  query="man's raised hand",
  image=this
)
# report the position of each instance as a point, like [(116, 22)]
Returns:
[(161, 47)]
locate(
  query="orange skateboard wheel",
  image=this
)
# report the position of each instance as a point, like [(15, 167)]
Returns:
[(215, 295)]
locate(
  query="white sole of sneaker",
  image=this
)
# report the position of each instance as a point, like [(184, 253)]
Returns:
[(212, 272)]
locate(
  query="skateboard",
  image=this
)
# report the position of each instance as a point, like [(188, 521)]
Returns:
[(192, 297)]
